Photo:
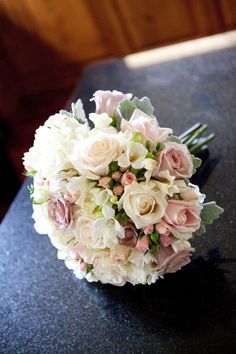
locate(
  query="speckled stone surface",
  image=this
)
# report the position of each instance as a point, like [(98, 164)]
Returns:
[(44, 309)]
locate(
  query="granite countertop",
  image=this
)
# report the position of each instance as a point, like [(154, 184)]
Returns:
[(45, 309)]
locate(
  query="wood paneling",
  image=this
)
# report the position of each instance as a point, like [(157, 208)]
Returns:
[(45, 44), (228, 10), (150, 21)]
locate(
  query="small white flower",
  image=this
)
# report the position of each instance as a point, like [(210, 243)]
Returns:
[(100, 121)]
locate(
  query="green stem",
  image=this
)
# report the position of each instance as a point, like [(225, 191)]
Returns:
[(204, 141), (190, 131), (197, 133)]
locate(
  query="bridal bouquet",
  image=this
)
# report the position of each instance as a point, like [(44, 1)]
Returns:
[(115, 199)]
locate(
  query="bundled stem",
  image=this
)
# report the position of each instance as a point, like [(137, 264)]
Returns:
[(194, 140)]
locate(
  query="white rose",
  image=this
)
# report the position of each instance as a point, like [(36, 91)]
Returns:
[(142, 268), (143, 204), (106, 271), (93, 156), (96, 233)]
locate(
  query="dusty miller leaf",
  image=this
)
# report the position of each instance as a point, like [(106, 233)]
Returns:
[(174, 139), (196, 163), (144, 104), (126, 109), (210, 212)]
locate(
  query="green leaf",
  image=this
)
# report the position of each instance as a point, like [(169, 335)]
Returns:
[(200, 231), (134, 170), (148, 144), (150, 155), (113, 166), (89, 268), (154, 237), (30, 188), (175, 139), (144, 104), (126, 109), (210, 212), (196, 163), (153, 248), (30, 173), (159, 147)]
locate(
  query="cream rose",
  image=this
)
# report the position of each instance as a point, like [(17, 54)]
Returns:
[(142, 204), (92, 157), (97, 233), (175, 158)]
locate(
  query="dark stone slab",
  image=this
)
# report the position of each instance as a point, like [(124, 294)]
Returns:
[(44, 309)]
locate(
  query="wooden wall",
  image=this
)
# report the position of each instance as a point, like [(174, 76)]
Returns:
[(44, 44)]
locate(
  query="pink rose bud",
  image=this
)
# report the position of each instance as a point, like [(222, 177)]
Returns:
[(123, 169), (165, 240), (83, 266), (103, 182), (116, 175), (148, 229), (143, 244), (162, 229), (118, 190), (128, 178)]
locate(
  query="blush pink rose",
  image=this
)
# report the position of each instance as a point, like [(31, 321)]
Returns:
[(162, 228), (148, 229), (107, 101), (175, 158), (143, 244), (147, 126), (165, 240), (60, 211), (131, 236), (182, 218), (83, 267), (118, 190), (116, 175), (169, 261), (128, 178)]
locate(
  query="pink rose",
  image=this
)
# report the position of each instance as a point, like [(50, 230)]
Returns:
[(169, 261), (83, 267), (60, 211), (162, 228), (128, 178), (165, 240), (118, 190), (147, 126), (175, 158), (104, 181), (107, 101), (143, 244), (116, 175), (182, 218), (148, 229), (131, 236)]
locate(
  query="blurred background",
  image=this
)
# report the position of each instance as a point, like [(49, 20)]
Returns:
[(46, 44)]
